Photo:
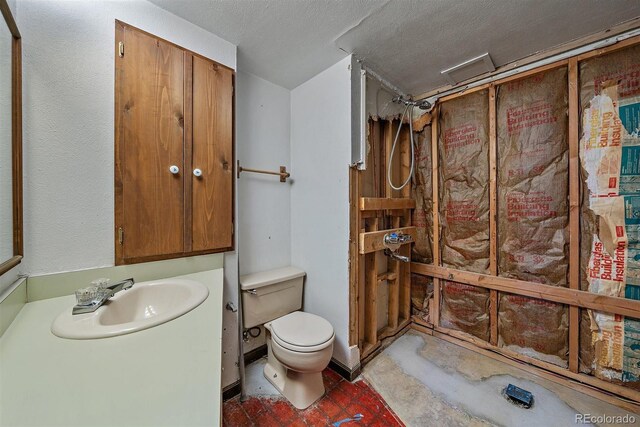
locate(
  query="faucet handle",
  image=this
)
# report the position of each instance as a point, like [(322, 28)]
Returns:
[(86, 296), (101, 283)]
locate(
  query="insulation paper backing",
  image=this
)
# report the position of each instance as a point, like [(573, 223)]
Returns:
[(422, 219), (464, 208), (610, 247), (465, 308), (533, 214), (423, 193)]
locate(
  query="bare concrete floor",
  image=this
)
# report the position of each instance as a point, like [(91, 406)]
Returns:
[(431, 382)]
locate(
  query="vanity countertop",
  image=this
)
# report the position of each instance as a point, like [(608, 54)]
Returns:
[(168, 375)]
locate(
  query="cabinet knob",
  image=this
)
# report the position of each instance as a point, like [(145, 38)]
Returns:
[(197, 172), (174, 169)]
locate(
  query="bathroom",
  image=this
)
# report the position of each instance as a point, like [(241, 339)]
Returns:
[(301, 287)]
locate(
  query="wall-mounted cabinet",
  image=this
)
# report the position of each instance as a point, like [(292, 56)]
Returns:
[(173, 150)]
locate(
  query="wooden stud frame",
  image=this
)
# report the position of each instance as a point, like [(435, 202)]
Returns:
[(370, 219), (493, 214), (16, 139), (570, 296), (574, 213), (367, 216)]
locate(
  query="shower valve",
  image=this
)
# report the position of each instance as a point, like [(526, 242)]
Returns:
[(393, 241)]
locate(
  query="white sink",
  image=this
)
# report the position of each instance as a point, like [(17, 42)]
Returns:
[(144, 306)]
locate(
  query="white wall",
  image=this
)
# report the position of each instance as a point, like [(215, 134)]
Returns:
[(68, 66), (263, 205), (263, 116), (320, 157)]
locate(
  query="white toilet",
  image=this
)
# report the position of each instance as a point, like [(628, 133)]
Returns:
[(300, 344)]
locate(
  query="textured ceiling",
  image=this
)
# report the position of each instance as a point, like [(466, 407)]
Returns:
[(406, 41)]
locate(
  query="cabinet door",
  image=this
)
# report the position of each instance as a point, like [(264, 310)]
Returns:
[(212, 195), (149, 141)]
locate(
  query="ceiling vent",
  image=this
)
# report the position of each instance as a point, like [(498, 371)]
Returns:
[(469, 68)]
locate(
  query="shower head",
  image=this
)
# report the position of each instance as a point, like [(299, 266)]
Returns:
[(423, 104)]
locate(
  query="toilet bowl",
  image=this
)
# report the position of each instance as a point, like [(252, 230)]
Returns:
[(300, 346)]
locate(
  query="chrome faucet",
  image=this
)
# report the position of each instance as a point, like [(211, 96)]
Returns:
[(392, 242), (94, 298), (394, 255)]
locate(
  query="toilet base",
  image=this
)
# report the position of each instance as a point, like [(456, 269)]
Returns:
[(300, 389)]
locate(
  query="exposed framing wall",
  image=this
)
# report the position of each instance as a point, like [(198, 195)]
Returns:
[(571, 296), (377, 209)]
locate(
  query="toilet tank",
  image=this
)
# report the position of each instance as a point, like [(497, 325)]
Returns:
[(270, 294)]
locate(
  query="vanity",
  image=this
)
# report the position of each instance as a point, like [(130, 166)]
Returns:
[(148, 353), (165, 375)]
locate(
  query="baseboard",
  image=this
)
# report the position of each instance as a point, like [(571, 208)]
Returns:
[(343, 371), (231, 391), (255, 354)]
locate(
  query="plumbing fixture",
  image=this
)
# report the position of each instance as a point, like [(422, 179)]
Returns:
[(231, 307), (409, 104), (392, 243), (422, 104), (396, 256), (248, 333), (93, 297)]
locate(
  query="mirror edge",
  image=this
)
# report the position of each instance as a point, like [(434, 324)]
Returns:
[(16, 138)]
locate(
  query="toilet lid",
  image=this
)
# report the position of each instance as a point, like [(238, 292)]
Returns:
[(302, 329)]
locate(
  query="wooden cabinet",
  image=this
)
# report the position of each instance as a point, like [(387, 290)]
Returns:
[(173, 150)]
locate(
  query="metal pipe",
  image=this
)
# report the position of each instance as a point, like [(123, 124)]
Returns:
[(243, 391), (283, 174), (384, 82), (540, 63), (432, 99)]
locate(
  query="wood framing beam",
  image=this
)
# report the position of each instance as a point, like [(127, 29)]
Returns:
[(404, 269), (380, 203), (463, 92), (435, 315), (571, 297), (574, 214), (609, 32), (372, 241), (598, 52), (493, 214), (581, 382), (371, 294), (393, 267), (354, 228)]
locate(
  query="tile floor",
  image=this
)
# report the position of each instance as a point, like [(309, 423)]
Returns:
[(342, 400)]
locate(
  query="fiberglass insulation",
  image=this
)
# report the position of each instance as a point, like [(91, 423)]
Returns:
[(423, 194), (610, 212), (533, 191), (422, 219), (464, 209)]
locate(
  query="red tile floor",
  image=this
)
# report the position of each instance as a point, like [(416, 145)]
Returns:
[(342, 400)]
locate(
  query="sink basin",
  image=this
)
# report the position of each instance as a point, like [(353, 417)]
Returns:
[(144, 306)]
